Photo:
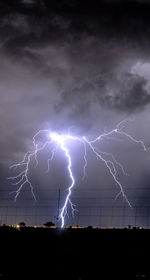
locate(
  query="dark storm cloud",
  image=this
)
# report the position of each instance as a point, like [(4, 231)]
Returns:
[(65, 64), (94, 48), (128, 93)]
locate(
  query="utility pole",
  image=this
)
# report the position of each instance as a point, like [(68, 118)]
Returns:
[(58, 206)]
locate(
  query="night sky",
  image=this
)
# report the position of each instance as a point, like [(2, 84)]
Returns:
[(81, 65)]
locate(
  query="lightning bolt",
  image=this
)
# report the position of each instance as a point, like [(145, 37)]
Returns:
[(55, 141), (23, 178)]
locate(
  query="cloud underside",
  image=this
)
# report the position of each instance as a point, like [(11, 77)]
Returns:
[(86, 59), (128, 94)]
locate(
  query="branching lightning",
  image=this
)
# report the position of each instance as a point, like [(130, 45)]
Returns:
[(60, 141)]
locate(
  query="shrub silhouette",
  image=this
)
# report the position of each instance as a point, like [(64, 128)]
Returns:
[(22, 224), (49, 224)]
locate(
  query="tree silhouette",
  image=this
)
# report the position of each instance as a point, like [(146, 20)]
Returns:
[(22, 224), (49, 224)]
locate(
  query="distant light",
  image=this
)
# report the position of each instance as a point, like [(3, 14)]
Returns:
[(76, 227)]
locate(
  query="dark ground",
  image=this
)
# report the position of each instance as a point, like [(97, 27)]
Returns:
[(74, 254)]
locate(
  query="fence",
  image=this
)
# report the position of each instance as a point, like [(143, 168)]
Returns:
[(95, 207)]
